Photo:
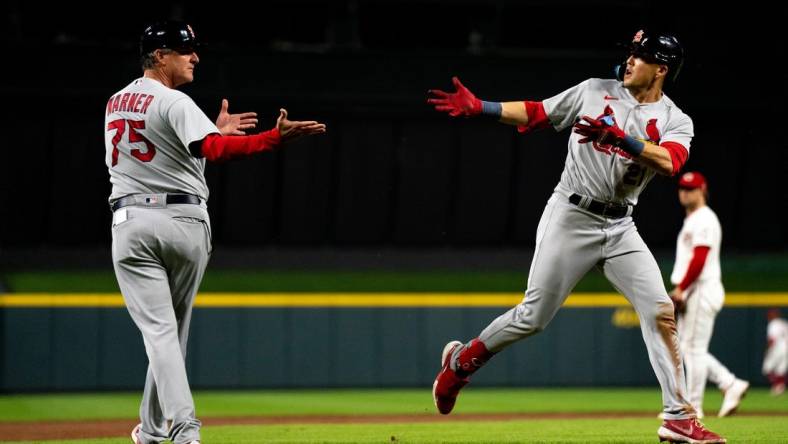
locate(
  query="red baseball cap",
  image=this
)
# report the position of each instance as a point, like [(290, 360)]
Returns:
[(692, 180)]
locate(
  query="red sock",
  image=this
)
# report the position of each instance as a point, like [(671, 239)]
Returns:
[(472, 358)]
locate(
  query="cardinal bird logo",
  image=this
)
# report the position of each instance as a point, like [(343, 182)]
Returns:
[(652, 131), (608, 117)]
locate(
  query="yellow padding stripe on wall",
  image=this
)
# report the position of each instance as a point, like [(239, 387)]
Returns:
[(229, 300)]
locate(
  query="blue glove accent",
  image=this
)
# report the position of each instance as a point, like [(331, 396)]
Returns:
[(608, 120), (493, 109), (632, 146)]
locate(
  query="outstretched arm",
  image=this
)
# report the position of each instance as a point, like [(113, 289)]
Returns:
[(216, 147), (462, 102)]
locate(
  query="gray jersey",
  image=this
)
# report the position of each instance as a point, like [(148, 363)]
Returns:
[(605, 172), (148, 129)]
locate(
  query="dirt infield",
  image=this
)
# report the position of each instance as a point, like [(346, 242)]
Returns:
[(30, 431)]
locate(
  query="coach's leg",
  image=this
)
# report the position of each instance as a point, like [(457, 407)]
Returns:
[(144, 282), (186, 256), (154, 425), (632, 269)]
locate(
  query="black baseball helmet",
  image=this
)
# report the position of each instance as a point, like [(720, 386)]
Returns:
[(658, 47), (170, 34)]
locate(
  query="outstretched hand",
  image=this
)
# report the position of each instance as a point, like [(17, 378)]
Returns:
[(462, 102), (233, 124), (603, 131), (289, 129)]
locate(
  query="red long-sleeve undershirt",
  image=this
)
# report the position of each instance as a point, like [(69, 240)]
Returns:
[(678, 154), (216, 147), (537, 119), (699, 254)]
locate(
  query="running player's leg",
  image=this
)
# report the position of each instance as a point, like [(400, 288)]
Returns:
[(567, 247), (632, 269)]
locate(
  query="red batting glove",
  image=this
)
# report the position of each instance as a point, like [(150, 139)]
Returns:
[(604, 131), (459, 103)]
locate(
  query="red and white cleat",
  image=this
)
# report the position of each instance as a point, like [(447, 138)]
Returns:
[(689, 431), (447, 384)]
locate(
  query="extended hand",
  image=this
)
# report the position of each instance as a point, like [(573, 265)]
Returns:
[(232, 124), (289, 130), (462, 102), (603, 131)]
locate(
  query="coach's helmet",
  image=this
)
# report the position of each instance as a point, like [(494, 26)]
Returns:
[(656, 47), (170, 34)]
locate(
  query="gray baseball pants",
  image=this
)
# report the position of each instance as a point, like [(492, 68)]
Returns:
[(569, 242), (160, 253)]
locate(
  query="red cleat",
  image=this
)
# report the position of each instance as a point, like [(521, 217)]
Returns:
[(447, 384), (688, 430)]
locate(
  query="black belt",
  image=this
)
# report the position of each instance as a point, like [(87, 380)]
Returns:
[(132, 199), (605, 209)]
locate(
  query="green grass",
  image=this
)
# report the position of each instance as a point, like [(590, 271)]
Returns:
[(742, 429), (366, 402), (752, 275), (738, 430)]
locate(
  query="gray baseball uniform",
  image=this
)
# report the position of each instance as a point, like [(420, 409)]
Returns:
[(571, 239), (159, 249)]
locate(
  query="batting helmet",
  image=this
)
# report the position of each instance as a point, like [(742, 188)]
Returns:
[(171, 34), (658, 47)]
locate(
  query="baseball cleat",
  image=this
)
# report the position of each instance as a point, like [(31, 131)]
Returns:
[(135, 434), (447, 384), (690, 431), (733, 396)]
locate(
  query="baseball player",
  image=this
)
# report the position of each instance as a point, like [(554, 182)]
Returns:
[(157, 141), (625, 131), (698, 296), (775, 360)]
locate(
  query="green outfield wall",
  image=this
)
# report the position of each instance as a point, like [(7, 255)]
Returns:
[(53, 342)]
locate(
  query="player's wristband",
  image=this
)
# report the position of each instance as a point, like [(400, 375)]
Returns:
[(492, 109), (632, 146)]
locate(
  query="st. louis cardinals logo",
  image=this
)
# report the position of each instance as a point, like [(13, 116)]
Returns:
[(609, 118), (652, 132)]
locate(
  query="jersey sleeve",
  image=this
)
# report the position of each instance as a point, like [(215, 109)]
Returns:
[(773, 330), (562, 109), (680, 131), (703, 231), (189, 122)]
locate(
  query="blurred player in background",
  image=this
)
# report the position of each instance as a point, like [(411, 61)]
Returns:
[(775, 361), (699, 295)]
